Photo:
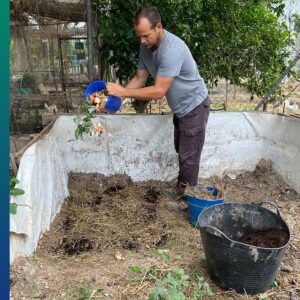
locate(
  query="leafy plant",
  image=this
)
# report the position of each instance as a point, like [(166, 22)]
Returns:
[(165, 255), (29, 81), (86, 292), (276, 286), (159, 292), (203, 288), (12, 186), (145, 274), (296, 20), (171, 286), (13, 181), (84, 124), (136, 269), (243, 42)]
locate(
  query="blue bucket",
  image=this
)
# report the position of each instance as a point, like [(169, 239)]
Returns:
[(113, 103), (196, 204)]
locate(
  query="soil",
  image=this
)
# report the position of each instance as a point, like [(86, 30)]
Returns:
[(270, 238), (111, 225)]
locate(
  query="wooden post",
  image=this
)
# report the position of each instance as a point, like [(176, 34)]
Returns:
[(90, 41), (62, 75)]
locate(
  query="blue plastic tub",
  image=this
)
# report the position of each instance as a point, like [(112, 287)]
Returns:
[(196, 205), (113, 103)]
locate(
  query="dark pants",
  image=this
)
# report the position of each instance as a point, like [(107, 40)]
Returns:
[(189, 135)]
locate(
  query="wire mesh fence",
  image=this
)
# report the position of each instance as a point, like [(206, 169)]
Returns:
[(47, 68)]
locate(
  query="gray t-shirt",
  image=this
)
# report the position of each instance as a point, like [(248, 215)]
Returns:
[(173, 59)]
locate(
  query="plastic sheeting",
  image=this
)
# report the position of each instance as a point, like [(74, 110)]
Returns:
[(142, 147)]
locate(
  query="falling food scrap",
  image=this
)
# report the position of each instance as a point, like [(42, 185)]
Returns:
[(97, 129), (99, 100)]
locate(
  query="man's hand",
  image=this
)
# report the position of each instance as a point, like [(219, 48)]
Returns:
[(115, 89)]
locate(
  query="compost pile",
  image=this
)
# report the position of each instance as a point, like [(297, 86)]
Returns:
[(109, 212)]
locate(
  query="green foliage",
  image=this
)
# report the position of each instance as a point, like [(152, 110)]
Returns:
[(164, 255), (86, 292), (296, 20), (119, 43), (84, 124), (171, 286), (136, 269), (203, 288), (241, 41), (29, 81), (13, 191), (13, 181), (13, 208), (159, 292), (171, 283), (275, 286)]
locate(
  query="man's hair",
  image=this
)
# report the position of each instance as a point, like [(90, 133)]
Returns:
[(148, 12)]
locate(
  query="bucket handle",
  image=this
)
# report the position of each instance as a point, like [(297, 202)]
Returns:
[(215, 231), (273, 204)]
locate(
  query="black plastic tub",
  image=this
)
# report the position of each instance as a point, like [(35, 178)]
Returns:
[(236, 265)]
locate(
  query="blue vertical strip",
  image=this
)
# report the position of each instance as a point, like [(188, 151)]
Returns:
[(4, 150)]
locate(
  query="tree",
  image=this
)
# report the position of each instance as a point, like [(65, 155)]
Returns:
[(296, 20), (241, 41)]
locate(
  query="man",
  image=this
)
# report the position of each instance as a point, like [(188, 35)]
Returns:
[(169, 61)]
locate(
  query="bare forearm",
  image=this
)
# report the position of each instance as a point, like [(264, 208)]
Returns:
[(135, 90), (146, 93)]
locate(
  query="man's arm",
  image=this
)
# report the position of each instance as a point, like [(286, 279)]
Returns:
[(138, 80), (156, 91)]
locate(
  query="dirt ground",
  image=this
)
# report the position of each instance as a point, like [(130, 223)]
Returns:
[(116, 239)]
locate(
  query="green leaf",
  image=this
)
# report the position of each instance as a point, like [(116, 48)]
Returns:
[(135, 269), (13, 208), (99, 289), (78, 133), (165, 256), (17, 192), (76, 120), (91, 109), (175, 294), (13, 181), (159, 292)]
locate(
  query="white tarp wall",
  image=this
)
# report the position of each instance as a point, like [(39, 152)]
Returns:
[(142, 147)]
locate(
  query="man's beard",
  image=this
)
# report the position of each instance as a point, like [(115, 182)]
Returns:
[(151, 47), (147, 46)]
